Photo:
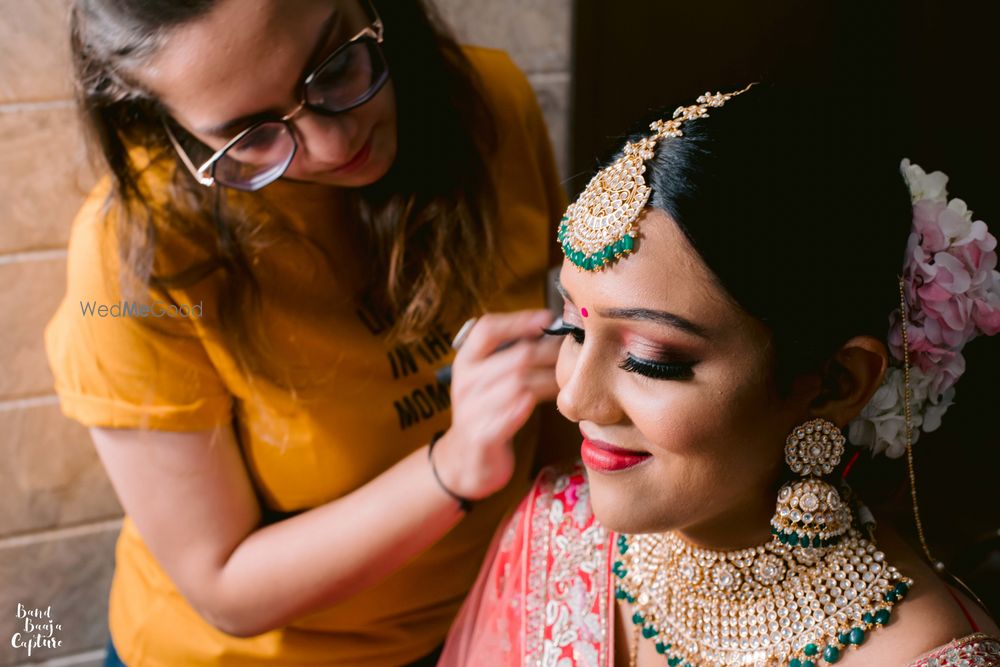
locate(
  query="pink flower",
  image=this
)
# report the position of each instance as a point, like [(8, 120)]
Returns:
[(925, 225), (952, 292), (943, 376), (949, 284), (986, 312), (925, 353)]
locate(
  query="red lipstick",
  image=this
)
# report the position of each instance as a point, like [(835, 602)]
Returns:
[(358, 161), (605, 457)]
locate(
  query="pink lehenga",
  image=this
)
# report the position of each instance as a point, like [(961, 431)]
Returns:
[(545, 596)]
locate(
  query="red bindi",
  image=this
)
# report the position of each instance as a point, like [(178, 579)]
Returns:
[(583, 311)]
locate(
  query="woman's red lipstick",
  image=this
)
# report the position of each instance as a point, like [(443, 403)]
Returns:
[(358, 161), (605, 457)]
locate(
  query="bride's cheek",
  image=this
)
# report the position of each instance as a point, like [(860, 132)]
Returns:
[(668, 418)]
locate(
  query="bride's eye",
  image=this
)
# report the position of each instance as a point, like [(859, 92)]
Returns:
[(564, 329), (658, 370)]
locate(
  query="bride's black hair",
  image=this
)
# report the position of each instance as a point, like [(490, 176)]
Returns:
[(794, 200)]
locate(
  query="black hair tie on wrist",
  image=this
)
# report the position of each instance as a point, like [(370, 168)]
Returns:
[(464, 504)]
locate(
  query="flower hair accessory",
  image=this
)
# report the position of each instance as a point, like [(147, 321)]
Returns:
[(598, 228), (950, 295)]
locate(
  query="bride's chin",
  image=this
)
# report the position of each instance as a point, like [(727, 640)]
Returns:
[(621, 507)]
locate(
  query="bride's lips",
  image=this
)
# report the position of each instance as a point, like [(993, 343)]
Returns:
[(605, 457), (359, 159)]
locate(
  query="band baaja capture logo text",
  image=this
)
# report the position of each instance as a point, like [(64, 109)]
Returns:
[(37, 629), (133, 309)]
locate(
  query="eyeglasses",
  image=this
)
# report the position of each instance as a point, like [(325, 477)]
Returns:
[(260, 154)]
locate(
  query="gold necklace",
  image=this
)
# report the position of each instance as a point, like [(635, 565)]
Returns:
[(767, 605)]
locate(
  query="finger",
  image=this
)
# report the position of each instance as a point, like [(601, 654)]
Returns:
[(463, 333), (525, 355), (545, 352), (542, 385), (519, 412), (502, 412), (507, 366), (522, 411), (476, 376), (493, 329)]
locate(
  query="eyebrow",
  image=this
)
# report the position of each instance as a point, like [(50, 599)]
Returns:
[(643, 314), (231, 127)]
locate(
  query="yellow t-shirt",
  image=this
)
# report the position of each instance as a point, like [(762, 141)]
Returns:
[(373, 406)]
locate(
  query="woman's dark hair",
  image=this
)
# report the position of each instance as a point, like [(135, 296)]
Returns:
[(793, 198), (418, 226)]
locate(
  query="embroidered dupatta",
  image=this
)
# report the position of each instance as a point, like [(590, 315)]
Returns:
[(545, 594)]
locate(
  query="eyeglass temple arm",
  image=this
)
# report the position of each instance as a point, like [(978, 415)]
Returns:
[(376, 19), (195, 172)]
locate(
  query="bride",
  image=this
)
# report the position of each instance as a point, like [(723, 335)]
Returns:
[(735, 310)]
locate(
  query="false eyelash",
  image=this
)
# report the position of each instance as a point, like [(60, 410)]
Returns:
[(651, 369), (564, 329), (658, 370)]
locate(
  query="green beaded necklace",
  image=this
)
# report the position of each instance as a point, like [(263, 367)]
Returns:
[(716, 580)]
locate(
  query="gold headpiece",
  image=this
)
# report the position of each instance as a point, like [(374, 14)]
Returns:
[(597, 228)]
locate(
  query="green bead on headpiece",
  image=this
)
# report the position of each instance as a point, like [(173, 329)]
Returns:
[(599, 227)]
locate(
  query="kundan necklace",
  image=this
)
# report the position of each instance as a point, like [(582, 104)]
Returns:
[(772, 605)]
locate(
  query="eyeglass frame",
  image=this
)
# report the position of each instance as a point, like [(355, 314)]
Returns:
[(205, 173)]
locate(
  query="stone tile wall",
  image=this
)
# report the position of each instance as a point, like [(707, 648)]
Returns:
[(59, 516), (538, 36)]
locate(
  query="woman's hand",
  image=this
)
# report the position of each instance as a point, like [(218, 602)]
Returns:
[(492, 396)]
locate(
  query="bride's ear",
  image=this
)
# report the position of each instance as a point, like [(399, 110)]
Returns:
[(850, 378)]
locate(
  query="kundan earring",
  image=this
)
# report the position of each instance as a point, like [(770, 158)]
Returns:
[(810, 512)]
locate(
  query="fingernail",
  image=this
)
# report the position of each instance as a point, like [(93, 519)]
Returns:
[(463, 333)]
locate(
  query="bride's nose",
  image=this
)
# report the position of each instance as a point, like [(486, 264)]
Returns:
[(586, 395)]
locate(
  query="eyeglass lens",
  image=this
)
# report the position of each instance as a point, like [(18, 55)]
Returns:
[(346, 79), (251, 161)]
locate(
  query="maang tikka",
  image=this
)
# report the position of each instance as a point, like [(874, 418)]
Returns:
[(599, 227)]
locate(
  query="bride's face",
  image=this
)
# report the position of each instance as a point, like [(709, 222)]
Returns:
[(669, 368)]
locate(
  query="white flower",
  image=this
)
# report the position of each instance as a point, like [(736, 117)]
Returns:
[(960, 229), (882, 422), (923, 185), (959, 206), (935, 409)]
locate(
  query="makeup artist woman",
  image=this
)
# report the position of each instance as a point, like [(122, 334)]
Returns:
[(305, 201)]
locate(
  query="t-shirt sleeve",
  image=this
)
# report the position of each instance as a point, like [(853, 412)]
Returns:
[(117, 367)]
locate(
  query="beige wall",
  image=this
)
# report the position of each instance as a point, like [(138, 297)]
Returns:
[(58, 514)]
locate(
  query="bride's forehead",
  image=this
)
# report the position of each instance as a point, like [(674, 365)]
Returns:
[(662, 261)]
